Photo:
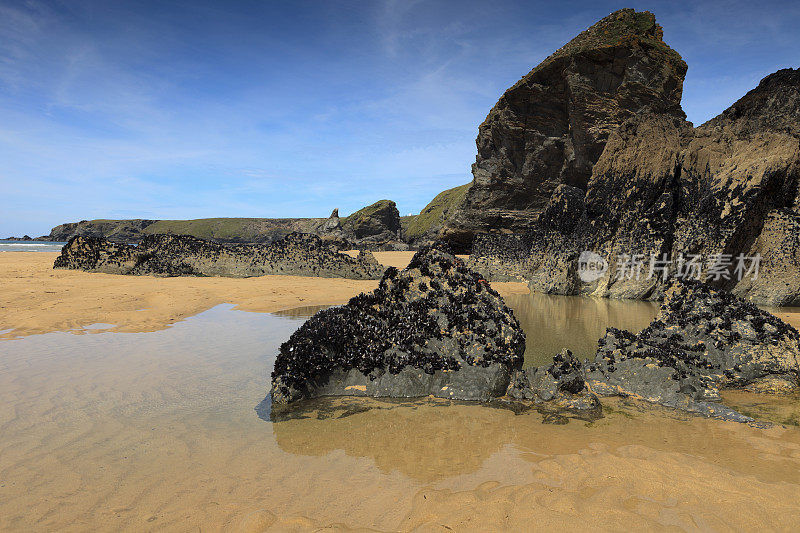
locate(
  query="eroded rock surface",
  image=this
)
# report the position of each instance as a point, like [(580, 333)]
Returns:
[(376, 224), (558, 390), (551, 127), (590, 151), (181, 255), (702, 340), (662, 189), (435, 328)]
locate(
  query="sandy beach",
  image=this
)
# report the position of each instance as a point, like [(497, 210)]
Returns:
[(143, 426), (38, 299)]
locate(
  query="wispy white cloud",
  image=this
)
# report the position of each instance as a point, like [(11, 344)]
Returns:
[(278, 109)]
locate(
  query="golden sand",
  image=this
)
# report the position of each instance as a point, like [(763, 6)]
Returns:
[(37, 299), (157, 431)]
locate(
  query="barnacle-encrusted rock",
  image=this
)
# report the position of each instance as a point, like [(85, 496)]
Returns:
[(435, 328), (701, 341), (296, 254), (558, 390)]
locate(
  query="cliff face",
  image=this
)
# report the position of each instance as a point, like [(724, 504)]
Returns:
[(591, 152), (724, 189), (551, 127)]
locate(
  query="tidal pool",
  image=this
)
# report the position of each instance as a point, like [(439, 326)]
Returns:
[(555, 322), (158, 431)]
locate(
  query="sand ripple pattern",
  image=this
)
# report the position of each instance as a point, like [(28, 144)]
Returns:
[(156, 431)]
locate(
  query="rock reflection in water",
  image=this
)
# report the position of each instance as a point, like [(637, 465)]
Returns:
[(430, 440), (144, 431), (555, 322), (306, 311)]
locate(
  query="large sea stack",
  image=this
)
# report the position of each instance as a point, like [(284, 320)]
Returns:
[(551, 127), (722, 194), (646, 184)]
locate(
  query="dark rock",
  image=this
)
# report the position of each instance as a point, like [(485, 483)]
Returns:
[(376, 223), (550, 128), (435, 328), (558, 390), (333, 224), (664, 189), (702, 340), (23, 238), (181, 255)]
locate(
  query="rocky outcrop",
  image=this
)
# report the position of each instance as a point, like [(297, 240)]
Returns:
[(375, 224), (720, 194), (558, 390), (551, 127), (591, 152), (703, 340), (423, 228), (170, 255), (27, 238), (373, 227), (333, 225), (435, 328)]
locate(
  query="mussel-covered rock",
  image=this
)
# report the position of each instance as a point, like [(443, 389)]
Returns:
[(435, 328), (297, 254), (701, 341), (558, 390)]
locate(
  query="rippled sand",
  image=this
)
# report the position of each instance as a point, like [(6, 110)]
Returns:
[(139, 431), (158, 431)]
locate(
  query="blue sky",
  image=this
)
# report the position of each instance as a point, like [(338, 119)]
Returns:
[(267, 109)]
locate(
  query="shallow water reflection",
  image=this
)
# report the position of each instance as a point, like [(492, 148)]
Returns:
[(157, 431), (304, 312), (555, 322)]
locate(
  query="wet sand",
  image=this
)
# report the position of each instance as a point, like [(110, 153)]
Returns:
[(143, 431), (157, 431), (37, 299)]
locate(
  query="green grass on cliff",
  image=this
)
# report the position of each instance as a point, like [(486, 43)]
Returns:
[(208, 228), (436, 212), (227, 229), (367, 212), (617, 29)]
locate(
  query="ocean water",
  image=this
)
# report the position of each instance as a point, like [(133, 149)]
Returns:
[(30, 246)]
